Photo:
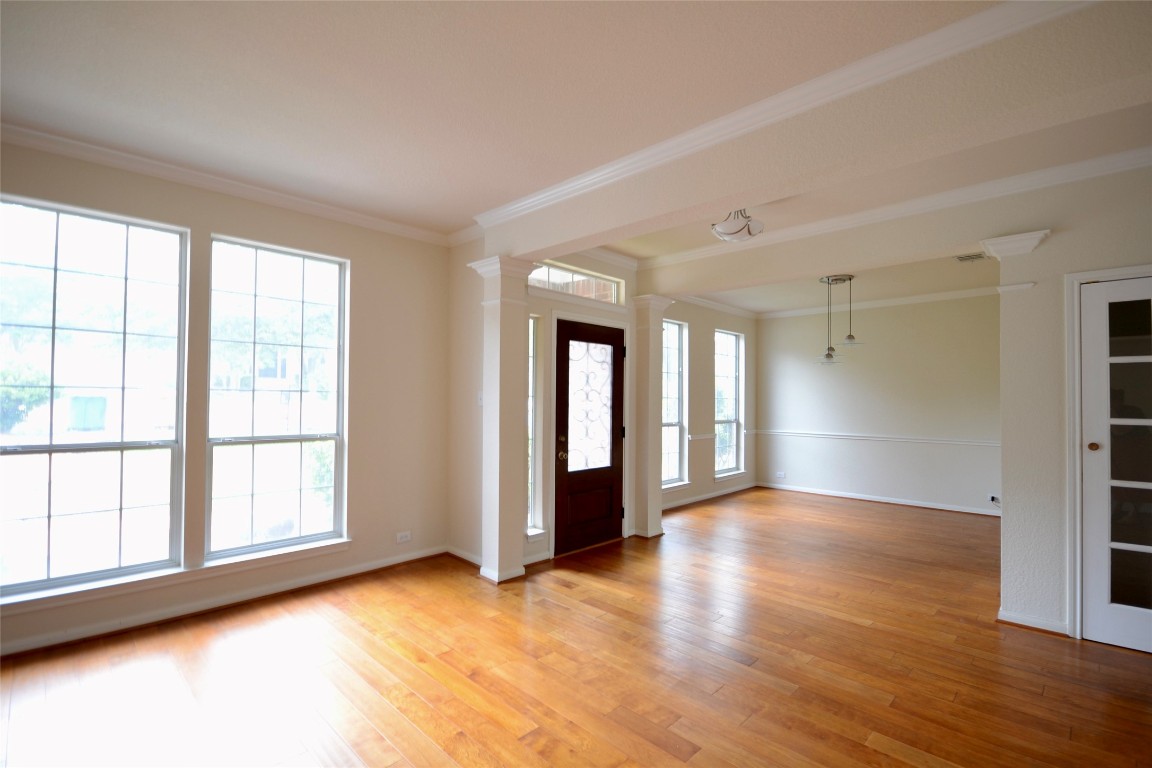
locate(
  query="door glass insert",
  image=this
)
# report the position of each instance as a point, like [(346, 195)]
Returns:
[(1131, 449), (1131, 393), (1132, 515), (589, 405), (1130, 328), (1132, 578)]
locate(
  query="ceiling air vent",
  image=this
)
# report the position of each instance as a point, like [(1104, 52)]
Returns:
[(966, 257)]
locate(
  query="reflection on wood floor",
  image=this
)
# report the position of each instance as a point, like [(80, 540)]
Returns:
[(765, 628)]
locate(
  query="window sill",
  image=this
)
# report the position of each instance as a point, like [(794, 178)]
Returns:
[(730, 474), (535, 534), (164, 577), (675, 486)]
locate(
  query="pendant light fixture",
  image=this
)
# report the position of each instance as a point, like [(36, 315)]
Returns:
[(850, 340), (738, 227), (829, 357), (830, 353)]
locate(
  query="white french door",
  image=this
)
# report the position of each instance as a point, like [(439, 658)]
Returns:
[(1116, 455)]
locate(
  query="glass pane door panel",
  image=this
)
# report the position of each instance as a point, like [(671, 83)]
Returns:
[(1132, 515), (1132, 578), (1132, 453), (589, 405), (1131, 395), (1130, 328)]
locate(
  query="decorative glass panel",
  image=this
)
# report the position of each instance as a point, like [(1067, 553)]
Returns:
[(589, 405)]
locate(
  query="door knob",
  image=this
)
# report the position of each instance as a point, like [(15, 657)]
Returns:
[(562, 456), (1093, 446)]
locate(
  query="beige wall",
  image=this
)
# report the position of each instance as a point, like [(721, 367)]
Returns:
[(703, 322), (912, 415), (1097, 224), (464, 444), (397, 385)]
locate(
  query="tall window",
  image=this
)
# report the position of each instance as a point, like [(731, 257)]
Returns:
[(276, 404), (672, 405), (90, 395), (729, 372), (534, 516)]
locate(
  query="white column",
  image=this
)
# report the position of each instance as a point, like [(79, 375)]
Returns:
[(504, 452), (649, 368)]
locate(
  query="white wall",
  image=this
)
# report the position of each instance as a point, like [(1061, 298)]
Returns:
[(911, 416), (398, 374), (703, 322), (1097, 224)]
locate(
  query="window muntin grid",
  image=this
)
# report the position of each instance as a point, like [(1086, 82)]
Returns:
[(91, 371), (276, 400), (576, 283), (672, 404), (728, 374)]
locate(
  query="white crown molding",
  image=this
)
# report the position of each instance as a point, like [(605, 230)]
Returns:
[(466, 235), (126, 161), (1000, 21), (606, 256), (1013, 245), (1003, 289), (924, 298), (716, 306), (989, 190)]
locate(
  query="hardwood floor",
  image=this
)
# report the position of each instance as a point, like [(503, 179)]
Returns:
[(765, 628)]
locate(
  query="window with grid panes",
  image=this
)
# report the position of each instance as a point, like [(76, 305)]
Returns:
[(276, 402), (91, 341), (672, 404), (728, 352)]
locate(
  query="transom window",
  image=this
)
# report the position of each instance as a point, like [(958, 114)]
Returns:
[(276, 405), (729, 353), (576, 283), (91, 334)]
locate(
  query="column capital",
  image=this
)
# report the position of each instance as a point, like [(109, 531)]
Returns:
[(503, 266), (652, 303)]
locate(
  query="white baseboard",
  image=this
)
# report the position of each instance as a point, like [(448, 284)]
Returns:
[(885, 499), (186, 608), (1059, 627), (706, 496), (471, 558), (501, 576)]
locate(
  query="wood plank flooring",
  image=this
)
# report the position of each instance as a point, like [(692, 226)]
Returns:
[(764, 629)]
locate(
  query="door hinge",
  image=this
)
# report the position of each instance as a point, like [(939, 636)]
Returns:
[(625, 349), (621, 513), (622, 433)]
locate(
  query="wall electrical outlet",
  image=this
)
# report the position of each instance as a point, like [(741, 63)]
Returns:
[(403, 537), (781, 475)]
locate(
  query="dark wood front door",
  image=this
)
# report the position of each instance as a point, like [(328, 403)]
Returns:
[(589, 435)]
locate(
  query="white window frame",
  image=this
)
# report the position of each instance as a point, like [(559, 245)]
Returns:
[(681, 331), (535, 518), (175, 445), (339, 529), (563, 279), (737, 373)]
